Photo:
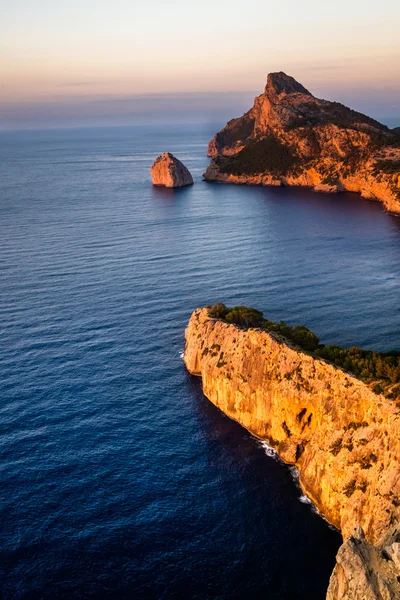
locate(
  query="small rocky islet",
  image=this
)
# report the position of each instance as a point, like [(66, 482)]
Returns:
[(168, 171)]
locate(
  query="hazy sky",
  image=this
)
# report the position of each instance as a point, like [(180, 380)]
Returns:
[(72, 62)]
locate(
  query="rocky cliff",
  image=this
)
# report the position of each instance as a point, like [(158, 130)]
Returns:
[(343, 437), (170, 172), (289, 137), (364, 571)]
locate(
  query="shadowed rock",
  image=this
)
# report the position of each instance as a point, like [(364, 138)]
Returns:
[(168, 171), (364, 571)]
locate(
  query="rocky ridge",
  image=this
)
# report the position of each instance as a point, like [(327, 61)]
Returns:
[(290, 137), (170, 172), (343, 438)]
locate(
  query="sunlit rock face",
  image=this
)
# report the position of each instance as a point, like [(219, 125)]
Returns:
[(290, 137), (344, 438), (168, 171)]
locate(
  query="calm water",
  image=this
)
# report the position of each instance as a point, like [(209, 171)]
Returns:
[(118, 479)]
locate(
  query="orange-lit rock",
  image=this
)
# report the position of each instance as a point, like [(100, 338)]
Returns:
[(343, 438), (333, 148), (168, 171)]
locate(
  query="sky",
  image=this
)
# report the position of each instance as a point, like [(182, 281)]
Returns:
[(73, 63)]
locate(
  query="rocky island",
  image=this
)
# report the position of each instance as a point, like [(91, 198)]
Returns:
[(290, 137), (342, 431), (168, 171)]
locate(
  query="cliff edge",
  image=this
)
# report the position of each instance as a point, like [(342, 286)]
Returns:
[(343, 437), (290, 137)]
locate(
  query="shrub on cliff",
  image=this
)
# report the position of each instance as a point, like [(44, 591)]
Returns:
[(367, 365), (250, 317), (304, 338), (245, 317), (364, 364), (218, 311), (390, 167), (266, 155), (300, 335)]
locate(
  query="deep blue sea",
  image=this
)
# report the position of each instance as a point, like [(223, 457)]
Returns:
[(118, 478)]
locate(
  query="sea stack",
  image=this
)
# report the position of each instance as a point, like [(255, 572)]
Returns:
[(169, 172), (290, 137)]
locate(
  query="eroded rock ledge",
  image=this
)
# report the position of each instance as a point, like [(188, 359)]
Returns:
[(343, 437), (289, 137)]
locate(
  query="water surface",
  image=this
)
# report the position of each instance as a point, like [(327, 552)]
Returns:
[(117, 477)]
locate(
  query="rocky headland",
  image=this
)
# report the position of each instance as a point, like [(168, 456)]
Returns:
[(342, 433), (170, 172), (290, 137)]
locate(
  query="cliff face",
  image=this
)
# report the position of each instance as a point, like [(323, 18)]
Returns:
[(289, 137), (344, 438), (168, 171), (365, 572)]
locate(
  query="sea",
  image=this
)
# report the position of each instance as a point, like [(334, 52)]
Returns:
[(118, 478)]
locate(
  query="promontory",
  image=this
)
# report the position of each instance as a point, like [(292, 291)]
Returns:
[(168, 171), (332, 412), (290, 137)]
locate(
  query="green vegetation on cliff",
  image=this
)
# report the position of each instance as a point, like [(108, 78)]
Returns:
[(380, 369), (389, 167), (259, 156)]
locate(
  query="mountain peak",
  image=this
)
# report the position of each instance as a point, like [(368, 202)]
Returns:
[(290, 137), (279, 83)]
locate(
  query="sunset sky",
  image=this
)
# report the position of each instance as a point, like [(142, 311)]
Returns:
[(103, 62)]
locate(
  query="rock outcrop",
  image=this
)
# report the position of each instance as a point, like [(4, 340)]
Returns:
[(365, 572), (290, 137), (343, 437), (168, 171)]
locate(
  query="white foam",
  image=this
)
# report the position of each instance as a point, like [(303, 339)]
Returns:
[(269, 450), (304, 499), (181, 354)]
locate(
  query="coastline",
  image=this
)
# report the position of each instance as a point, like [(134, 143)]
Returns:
[(290, 137), (295, 474), (212, 175), (342, 438)]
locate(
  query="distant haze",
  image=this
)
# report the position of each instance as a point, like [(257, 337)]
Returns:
[(90, 62)]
